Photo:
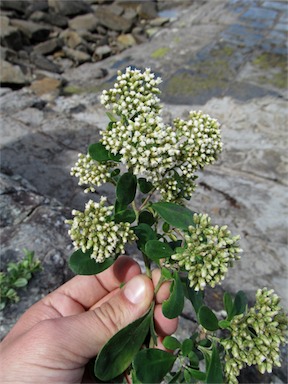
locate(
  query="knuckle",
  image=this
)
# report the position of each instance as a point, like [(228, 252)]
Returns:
[(110, 318)]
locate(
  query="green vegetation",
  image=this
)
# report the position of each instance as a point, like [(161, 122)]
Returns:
[(17, 276)]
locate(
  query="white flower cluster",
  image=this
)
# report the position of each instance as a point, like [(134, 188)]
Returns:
[(90, 172), (208, 252), (256, 336), (133, 93), (93, 229), (167, 156)]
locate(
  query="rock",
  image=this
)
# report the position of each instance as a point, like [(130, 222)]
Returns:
[(77, 56), (159, 21), (126, 40), (86, 22), (130, 14), (9, 36), (46, 85), (37, 6), (30, 221), (44, 63), (110, 20), (71, 38), (15, 5), (47, 47), (69, 8), (33, 31), (116, 9), (102, 52), (56, 19), (11, 75), (147, 10)]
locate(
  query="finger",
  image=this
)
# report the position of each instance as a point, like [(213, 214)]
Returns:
[(86, 333), (75, 296), (163, 325), (164, 291)]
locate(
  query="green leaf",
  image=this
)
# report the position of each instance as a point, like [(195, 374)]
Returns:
[(98, 152), (115, 173), (125, 216), (196, 297), (144, 233), (147, 218), (126, 188), (175, 377), (151, 365), (240, 303), (198, 375), (82, 264), (21, 282), (118, 207), (187, 347), (208, 319), (111, 117), (173, 306), (118, 353), (228, 305), (144, 185), (224, 324), (166, 273), (194, 359), (170, 342), (157, 250), (214, 371), (174, 214)]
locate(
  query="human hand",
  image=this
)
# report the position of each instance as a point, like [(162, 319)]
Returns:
[(54, 340)]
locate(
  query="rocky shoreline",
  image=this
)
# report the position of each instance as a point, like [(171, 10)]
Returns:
[(54, 35)]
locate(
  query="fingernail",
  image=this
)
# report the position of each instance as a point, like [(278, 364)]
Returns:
[(135, 290)]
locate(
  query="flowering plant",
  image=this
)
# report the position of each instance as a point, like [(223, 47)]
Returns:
[(152, 166)]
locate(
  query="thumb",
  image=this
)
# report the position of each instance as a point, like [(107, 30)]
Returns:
[(85, 334)]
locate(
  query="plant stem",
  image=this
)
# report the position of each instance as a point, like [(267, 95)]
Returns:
[(160, 282), (147, 265), (147, 199), (135, 209)]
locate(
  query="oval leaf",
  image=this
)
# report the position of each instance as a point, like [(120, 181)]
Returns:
[(20, 282), (144, 185), (144, 233), (240, 303), (118, 353), (82, 264), (156, 250), (228, 305), (147, 218), (196, 297), (127, 216), (151, 365), (98, 152), (170, 342), (126, 188), (187, 347), (208, 319), (174, 214), (173, 307)]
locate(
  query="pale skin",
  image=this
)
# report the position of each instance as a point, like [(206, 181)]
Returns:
[(55, 339)]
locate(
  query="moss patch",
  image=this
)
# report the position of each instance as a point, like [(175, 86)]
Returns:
[(160, 52), (275, 67)]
